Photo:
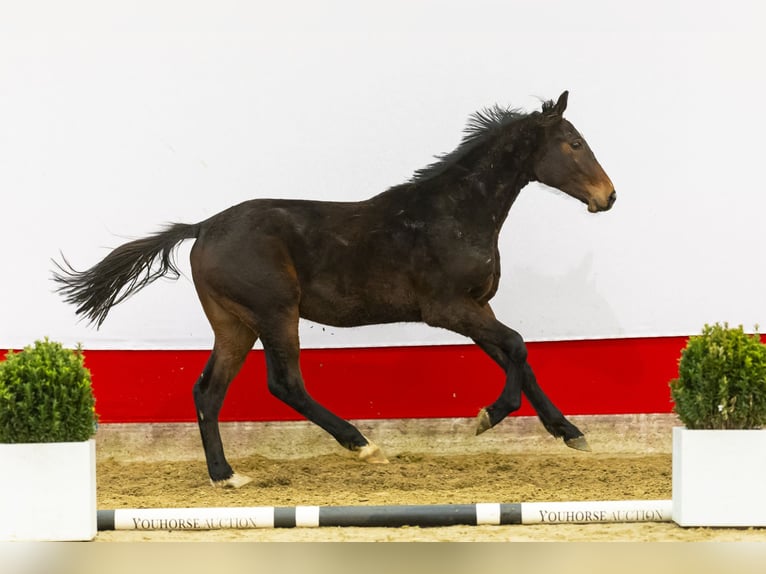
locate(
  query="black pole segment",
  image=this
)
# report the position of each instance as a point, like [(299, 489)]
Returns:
[(510, 513), (105, 520), (392, 516), (284, 517)]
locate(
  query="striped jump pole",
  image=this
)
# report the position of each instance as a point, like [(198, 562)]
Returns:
[(386, 516)]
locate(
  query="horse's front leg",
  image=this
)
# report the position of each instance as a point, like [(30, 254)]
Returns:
[(550, 416), (506, 347)]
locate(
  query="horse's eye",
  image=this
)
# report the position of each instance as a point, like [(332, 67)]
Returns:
[(577, 144)]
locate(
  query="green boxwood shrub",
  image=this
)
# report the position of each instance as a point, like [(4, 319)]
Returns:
[(46, 395), (721, 380)]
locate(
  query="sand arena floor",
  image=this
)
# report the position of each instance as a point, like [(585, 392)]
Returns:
[(436, 461)]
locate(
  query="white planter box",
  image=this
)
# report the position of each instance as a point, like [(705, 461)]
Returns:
[(48, 491), (719, 477)]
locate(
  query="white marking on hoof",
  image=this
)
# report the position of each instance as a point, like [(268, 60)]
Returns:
[(578, 443), (371, 453), (235, 481), (483, 423)]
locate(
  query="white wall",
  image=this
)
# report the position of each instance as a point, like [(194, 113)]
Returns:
[(116, 117)]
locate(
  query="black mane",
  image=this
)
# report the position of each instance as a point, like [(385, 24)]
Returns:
[(481, 125)]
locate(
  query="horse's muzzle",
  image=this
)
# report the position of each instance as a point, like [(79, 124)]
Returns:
[(595, 206)]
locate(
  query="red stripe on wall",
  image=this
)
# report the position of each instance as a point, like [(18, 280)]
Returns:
[(610, 376)]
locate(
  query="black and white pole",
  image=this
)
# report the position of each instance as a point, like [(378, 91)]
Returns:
[(387, 516)]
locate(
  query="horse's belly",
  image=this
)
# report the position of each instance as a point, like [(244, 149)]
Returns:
[(341, 310)]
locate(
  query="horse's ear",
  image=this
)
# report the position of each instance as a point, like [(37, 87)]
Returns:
[(561, 104), (552, 113)]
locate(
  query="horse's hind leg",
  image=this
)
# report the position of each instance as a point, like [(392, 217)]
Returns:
[(233, 341), (280, 343)]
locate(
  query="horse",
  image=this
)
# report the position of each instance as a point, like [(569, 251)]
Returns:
[(422, 251)]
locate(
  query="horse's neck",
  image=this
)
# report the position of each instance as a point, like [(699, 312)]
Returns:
[(482, 187), (493, 181), (488, 193), (503, 194)]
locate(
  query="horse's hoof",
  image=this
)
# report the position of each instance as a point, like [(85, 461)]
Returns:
[(371, 453), (234, 481), (482, 422), (578, 443)]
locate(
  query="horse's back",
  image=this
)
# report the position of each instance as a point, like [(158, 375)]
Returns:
[(342, 263)]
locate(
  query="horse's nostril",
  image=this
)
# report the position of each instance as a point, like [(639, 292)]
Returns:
[(612, 197)]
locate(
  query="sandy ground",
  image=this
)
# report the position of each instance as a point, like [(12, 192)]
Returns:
[(431, 462)]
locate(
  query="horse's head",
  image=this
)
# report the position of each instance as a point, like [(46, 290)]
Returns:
[(566, 162)]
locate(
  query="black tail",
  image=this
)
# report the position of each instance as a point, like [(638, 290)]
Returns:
[(126, 270)]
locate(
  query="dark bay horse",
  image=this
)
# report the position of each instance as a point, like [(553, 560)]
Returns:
[(425, 250)]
